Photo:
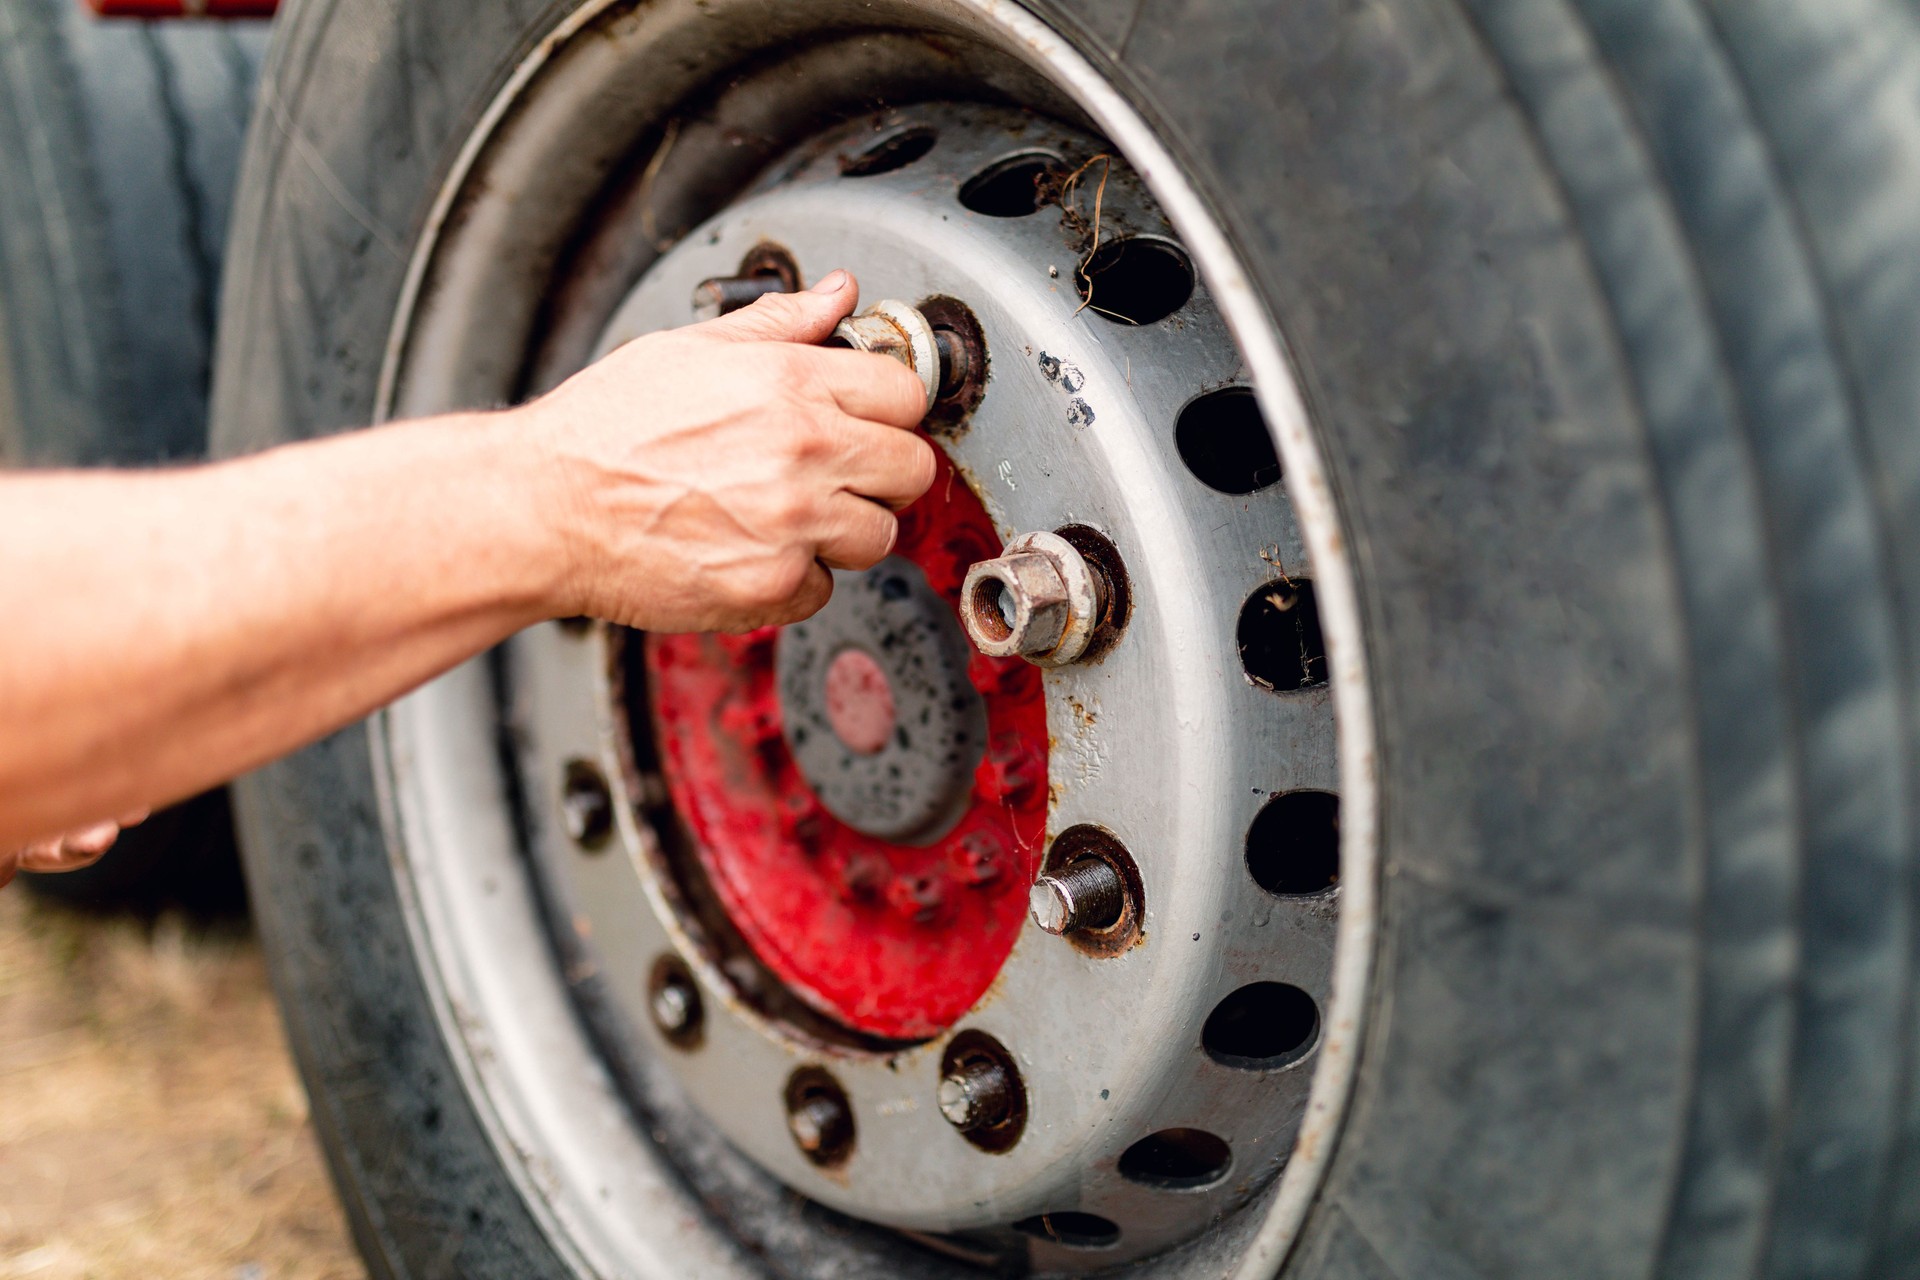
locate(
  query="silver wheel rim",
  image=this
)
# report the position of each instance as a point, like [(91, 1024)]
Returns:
[(558, 1117)]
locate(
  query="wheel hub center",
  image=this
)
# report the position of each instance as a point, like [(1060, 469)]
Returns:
[(876, 705), (860, 704), (867, 796)]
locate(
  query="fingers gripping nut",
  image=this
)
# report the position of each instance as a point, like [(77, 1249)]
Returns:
[(1039, 600), (892, 328)]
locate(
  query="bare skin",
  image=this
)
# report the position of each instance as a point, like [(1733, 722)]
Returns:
[(169, 630)]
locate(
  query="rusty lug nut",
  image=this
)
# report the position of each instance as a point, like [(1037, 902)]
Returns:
[(724, 295), (1039, 600), (586, 805), (1087, 895), (821, 1125), (892, 328), (976, 1094)]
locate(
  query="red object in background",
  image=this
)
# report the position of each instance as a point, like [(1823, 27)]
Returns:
[(183, 8), (895, 940)]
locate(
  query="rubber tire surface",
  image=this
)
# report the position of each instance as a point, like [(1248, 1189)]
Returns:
[(121, 144), (1608, 313)]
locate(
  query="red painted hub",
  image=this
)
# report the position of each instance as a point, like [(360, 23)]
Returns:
[(894, 940)]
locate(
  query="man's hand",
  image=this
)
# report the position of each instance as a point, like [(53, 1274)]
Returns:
[(714, 473), (70, 852), (168, 630)]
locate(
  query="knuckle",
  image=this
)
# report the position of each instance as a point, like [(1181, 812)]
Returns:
[(810, 439), (785, 366), (785, 576), (790, 510)]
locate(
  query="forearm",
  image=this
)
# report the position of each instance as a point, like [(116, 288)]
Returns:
[(166, 631)]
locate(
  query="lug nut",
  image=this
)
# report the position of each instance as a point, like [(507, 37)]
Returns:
[(892, 328), (1090, 894), (1039, 600), (586, 805), (976, 1094), (724, 295)]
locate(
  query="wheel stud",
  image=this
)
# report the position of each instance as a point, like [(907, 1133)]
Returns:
[(673, 1008), (819, 1116), (674, 1002), (1090, 894), (976, 1095), (956, 366), (586, 805), (723, 295), (981, 1093)]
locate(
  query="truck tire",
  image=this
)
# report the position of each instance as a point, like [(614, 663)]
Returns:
[(1586, 331), (121, 142)]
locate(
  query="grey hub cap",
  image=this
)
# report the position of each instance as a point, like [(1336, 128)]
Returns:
[(876, 706)]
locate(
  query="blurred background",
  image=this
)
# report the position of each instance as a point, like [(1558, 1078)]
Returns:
[(151, 1123)]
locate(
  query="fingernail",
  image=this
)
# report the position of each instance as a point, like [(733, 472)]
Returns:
[(833, 282)]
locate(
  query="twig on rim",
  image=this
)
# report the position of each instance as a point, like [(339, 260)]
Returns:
[(647, 175), (1099, 197)]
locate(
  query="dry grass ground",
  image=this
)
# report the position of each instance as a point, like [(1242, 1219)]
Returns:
[(151, 1125)]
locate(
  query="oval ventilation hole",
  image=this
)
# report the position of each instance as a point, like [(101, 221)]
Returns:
[(895, 151), (1176, 1159), (1136, 280), (1261, 1027), (1224, 441), (1074, 1230), (1293, 846), (1011, 188), (1280, 644)]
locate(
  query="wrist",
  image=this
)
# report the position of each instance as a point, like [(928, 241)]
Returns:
[(527, 506)]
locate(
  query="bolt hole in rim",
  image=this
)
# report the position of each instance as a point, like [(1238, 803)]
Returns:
[(1071, 1229), (1293, 846), (895, 151), (415, 773), (1013, 187), (1263, 1026), (1136, 281), (1224, 441), (1279, 637), (1177, 1159)]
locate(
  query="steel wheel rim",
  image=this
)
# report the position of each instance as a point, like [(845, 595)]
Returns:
[(417, 740)]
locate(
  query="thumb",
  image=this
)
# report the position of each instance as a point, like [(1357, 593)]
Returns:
[(791, 317)]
